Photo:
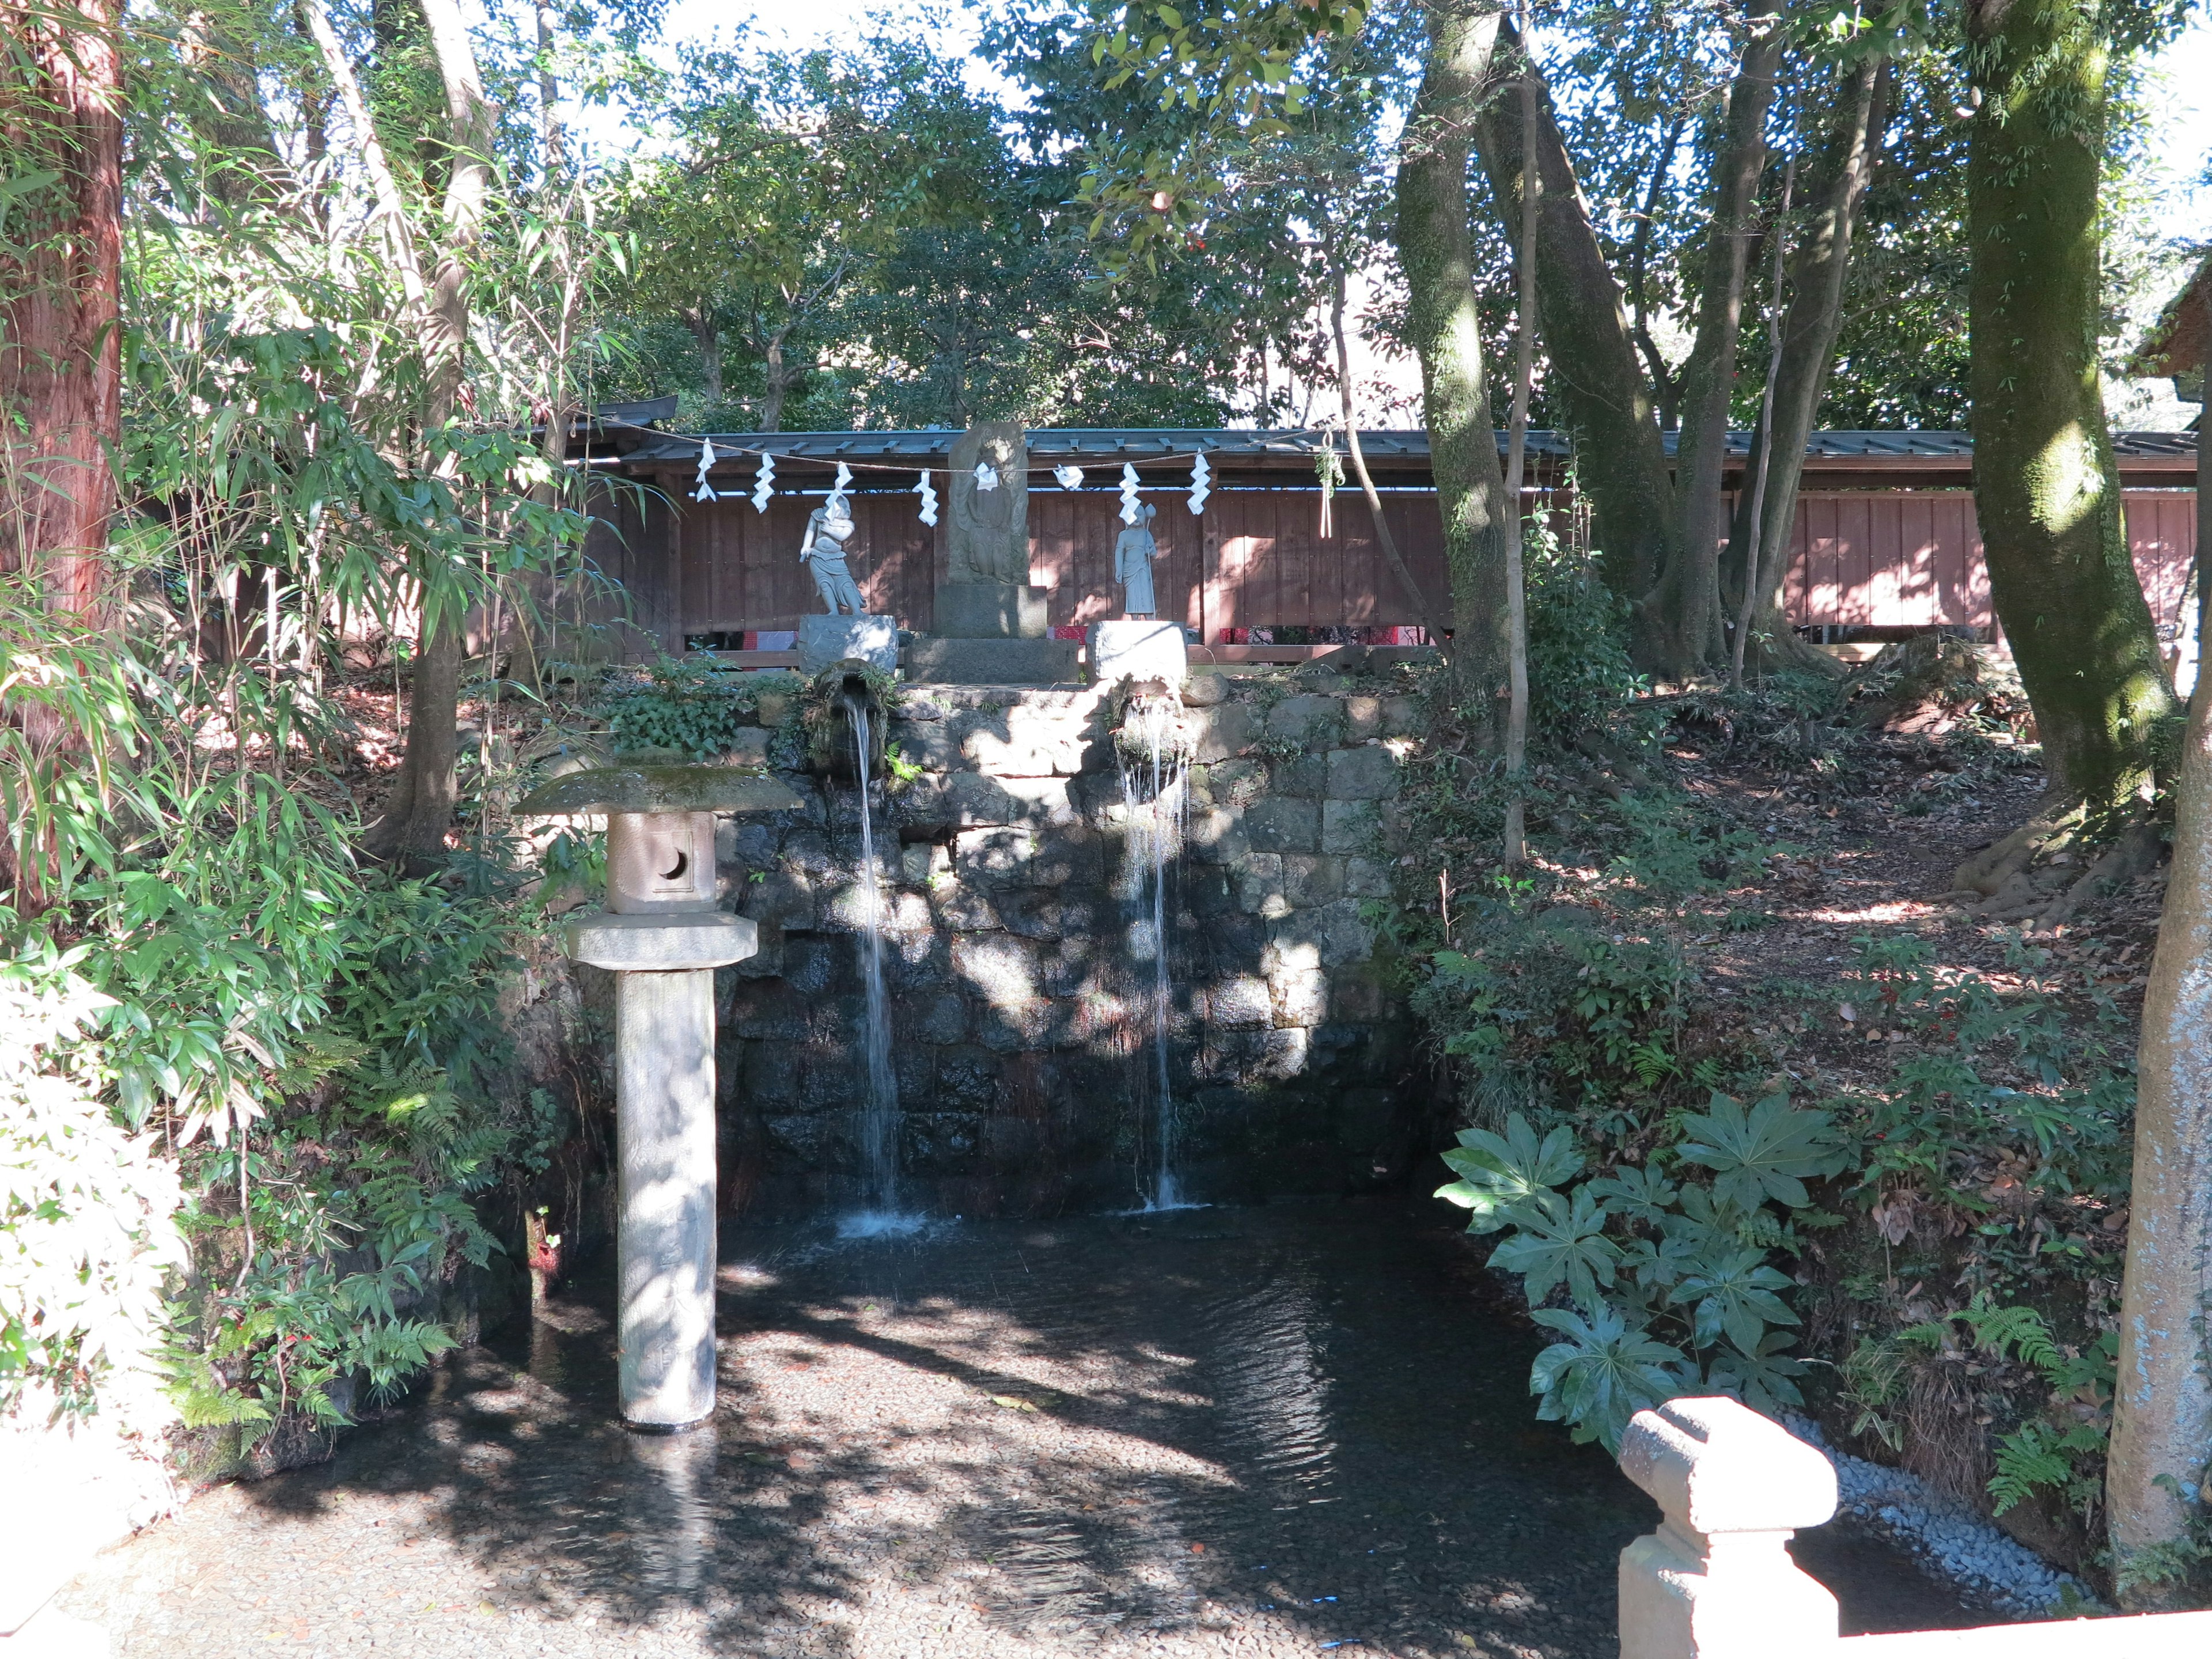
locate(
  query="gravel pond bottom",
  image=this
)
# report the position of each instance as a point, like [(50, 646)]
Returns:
[(1295, 1429)]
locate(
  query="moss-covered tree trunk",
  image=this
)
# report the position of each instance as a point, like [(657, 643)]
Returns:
[(1818, 269), (1435, 249), (2045, 485), (1592, 369), (1682, 620)]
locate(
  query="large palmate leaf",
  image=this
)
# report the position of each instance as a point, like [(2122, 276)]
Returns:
[(1557, 1238), (1500, 1172), (1763, 1153), (1734, 1296), (1764, 1378), (1638, 1192), (1604, 1373)]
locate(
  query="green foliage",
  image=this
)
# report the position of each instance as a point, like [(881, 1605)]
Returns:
[(1551, 1012), (1606, 1371), (690, 704), (2062, 1450), (1500, 1172), (1765, 1153), (87, 1215), (1580, 678), (1671, 1278)]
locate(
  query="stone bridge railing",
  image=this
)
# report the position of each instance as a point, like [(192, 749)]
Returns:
[(1715, 1580)]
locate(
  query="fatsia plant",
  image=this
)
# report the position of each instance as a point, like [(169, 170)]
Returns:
[(1667, 1267), (1606, 1371), (1768, 1151)]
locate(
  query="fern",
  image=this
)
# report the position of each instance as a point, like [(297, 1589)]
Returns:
[(2014, 1333), (2035, 1457)]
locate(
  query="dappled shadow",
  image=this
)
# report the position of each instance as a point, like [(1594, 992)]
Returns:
[(1306, 1423)]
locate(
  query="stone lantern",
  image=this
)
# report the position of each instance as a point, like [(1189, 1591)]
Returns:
[(663, 937)]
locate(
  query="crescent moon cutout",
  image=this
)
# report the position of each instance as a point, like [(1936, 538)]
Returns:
[(682, 863)]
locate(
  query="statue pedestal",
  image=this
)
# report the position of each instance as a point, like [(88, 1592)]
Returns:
[(992, 633), (663, 968), (825, 642), (991, 611), (1148, 650)]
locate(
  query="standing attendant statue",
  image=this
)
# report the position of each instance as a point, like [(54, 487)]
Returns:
[(1134, 549), (829, 527)]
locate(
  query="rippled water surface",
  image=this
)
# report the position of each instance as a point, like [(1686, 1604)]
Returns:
[(1294, 1430)]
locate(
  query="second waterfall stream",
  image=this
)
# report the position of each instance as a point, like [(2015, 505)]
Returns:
[(879, 1110), (1155, 800)]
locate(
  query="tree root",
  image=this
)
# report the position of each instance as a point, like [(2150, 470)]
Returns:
[(2010, 893), (2056, 820)]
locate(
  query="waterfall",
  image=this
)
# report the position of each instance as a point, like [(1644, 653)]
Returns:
[(1155, 802), (879, 1114)]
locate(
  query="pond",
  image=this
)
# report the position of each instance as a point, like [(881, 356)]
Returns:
[(1292, 1430)]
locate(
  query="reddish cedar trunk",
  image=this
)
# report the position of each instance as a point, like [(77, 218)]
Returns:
[(61, 374)]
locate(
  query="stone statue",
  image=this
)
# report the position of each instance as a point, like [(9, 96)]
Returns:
[(829, 527), (989, 538), (1134, 549)]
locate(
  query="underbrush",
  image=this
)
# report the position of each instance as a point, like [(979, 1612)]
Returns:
[(263, 1089), (1922, 1247)]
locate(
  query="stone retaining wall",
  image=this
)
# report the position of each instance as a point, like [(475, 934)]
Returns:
[(1022, 1024)]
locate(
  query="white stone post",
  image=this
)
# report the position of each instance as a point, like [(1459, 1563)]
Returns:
[(665, 1143), (1715, 1580)]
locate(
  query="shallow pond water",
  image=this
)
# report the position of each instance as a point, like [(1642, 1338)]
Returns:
[(1293, 1430)]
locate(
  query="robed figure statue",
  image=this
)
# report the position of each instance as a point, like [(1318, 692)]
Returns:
[(1134, 549), (829, 527)]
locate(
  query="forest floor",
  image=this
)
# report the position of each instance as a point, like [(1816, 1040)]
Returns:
[(1869, 869)]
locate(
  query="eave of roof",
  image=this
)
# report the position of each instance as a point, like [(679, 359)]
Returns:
[(1388, 450)]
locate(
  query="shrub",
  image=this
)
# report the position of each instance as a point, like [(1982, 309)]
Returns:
[(691, 704), (86, 1219)]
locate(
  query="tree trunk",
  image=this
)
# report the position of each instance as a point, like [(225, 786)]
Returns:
[(1757, 554), (61, 365), (1516, 456), (707, 335), (1431, 623), (1436, 250), (2162, 1405), (1664, 385), (1682, 631), (780, 379), (2046, 490), (1817, 272), (419, 810), (1593, 370)]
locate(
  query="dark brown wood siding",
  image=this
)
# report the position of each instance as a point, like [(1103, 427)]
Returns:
[(1255, 558)]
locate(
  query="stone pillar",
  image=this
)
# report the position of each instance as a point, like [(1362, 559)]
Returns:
[(1715, 1580), (665, 1139), (664, 1144)]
